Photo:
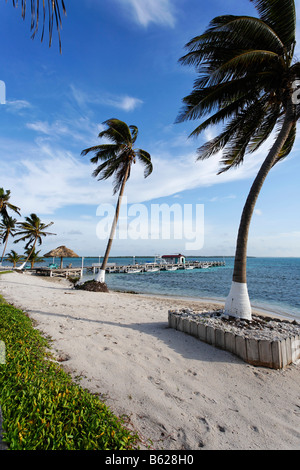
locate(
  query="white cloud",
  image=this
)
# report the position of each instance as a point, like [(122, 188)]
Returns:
[(152, 11), (80, 129), (124, 102), (258, 212), (45, 176), (222, 199), (51, 178), (17, 105)]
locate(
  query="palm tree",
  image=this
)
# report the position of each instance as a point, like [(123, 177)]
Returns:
[(5, 204), (246, 80), (34, 257), (117, 159), (14, 258), (53, 7), (7, 228), (32, 230)]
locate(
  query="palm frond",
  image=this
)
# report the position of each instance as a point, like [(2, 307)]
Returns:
[(117, 131), (288, 146), (102, 152), (120, 176), (134, 133), (236, 135), (145, 158), (281, 17), (54, 16)]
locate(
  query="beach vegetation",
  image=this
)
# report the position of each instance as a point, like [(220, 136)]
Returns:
[(246, 82), (42, 407), (115, 159), (52, 8), (32, 231), (74, 280), (14, 258)]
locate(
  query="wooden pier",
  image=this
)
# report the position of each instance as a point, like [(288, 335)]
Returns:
[(57, 272), (155, 267)]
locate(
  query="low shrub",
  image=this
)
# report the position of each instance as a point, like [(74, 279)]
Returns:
[(43, 409)]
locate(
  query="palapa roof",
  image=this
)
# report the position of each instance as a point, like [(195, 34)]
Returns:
[(61, 252)]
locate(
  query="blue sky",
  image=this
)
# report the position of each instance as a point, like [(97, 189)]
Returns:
[(120, 59)]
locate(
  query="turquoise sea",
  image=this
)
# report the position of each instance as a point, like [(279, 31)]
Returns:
[(273, 283)]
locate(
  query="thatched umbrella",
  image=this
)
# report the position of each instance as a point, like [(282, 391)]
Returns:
[(61, 252)]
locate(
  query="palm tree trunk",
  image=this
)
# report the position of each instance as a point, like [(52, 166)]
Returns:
[(238, 303), (101, 274), (25, 262)]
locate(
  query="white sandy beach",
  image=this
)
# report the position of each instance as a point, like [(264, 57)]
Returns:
[(179, 393)]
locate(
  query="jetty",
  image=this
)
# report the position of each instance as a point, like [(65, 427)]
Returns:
[(113, 268)]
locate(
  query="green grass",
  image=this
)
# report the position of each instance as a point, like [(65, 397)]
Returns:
[(43, 409)]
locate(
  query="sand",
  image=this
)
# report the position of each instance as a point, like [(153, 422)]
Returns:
[(177, 392)]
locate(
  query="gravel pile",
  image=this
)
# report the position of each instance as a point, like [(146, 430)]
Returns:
[(260, 327)]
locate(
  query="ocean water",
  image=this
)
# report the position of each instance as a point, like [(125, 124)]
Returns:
[(273, 283)]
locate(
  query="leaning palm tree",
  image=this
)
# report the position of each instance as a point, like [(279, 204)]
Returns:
[(32, 230), (7, 228), (52, 8), (247, 83), (117, 159), (5, 204)]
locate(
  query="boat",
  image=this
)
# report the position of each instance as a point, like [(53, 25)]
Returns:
[(205, 266), (152, 270), (172, 268), (134, 270), (189, 267)]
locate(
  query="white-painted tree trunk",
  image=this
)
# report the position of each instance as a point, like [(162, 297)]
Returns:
[(238, 303), (100, 277), (22, 266)]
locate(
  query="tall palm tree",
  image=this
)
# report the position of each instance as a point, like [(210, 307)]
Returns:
[(246, 79), (32, 230), (52, 8), (5, 204), (117, 159), (14, 258), (7, 228)]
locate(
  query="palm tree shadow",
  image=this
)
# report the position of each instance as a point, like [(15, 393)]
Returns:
[(182, 343), (40, 287)]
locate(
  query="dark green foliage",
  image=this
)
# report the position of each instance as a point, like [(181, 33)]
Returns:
[(118, 156), (42, 408), (245, 80)]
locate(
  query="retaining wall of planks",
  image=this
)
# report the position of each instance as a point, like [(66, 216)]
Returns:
[(275, 354)]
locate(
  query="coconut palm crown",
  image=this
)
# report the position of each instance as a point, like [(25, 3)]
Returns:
[(5, 204), (118, 156), (246, 82)]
